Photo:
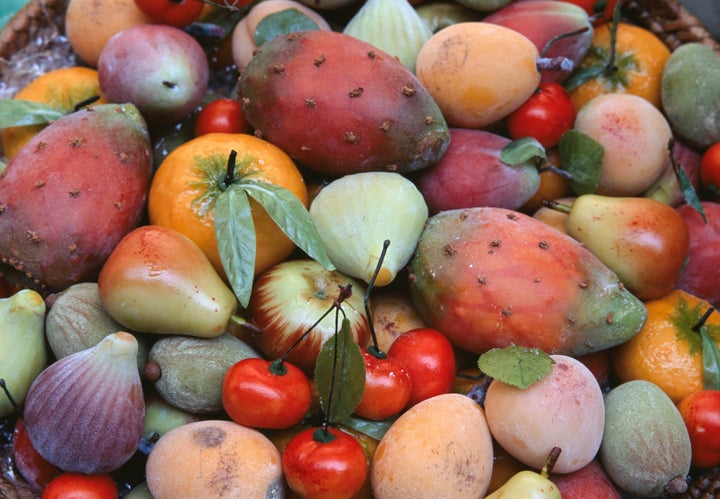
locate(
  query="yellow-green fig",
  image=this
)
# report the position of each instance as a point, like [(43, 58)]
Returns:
[(357, 213), (22, 344)]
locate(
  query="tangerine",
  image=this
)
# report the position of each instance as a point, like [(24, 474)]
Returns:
[(189, 180), (634, 67), (62, 88), (668, 350)]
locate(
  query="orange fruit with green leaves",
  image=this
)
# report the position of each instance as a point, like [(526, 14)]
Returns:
[(681, 333), (631, 62), (242, 187), (62, 89)]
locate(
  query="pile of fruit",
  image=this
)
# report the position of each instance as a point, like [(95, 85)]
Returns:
[(331, 248)]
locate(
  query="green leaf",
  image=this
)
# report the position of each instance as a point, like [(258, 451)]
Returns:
[(340, 375), (583, 74), (686, 187), (522, 151), (18, 112), (581, 156), (281, 23), (235, 233), (372, 428), (711, 362), (291, 216), (516, 365)]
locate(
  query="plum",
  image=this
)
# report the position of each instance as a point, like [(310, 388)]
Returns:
[(471, 173), (159, 68)]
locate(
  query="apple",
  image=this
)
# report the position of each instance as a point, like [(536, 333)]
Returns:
[(701, 274), (294, 297), (589, 481), (701, 413), (159, 68)]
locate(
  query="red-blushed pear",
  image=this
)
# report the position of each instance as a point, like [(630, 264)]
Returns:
[(156, 280), (644, 241)]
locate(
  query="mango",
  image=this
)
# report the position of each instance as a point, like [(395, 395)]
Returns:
[(645, 447), (490, 277), (339, 105), (690, 94)]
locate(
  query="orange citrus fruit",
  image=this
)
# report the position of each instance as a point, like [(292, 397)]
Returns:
[(188, 181), (61, 88), (667, 351), (639, 60)]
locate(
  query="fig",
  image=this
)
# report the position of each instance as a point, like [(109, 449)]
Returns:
[(351, 216), (645, 447), (188, 372), (77, 320), (85, 413), (22, 344)]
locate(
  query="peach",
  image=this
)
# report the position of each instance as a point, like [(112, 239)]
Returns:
[(635, 135)]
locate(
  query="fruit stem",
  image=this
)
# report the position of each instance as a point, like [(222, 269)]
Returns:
[(559, 171), (559, 63), (550, 461), (230, 171), (697, 327), (375, 349), (278, 367), (3, 385), (561, 36), (562, 208), (322, 435), (611, 67), (85, 103)]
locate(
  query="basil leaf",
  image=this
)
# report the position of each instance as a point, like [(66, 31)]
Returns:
[(18, 112), (340, 375), (522, 151), (291, 216), (281, 23), (515, 365), (235, 234), (581, 156)]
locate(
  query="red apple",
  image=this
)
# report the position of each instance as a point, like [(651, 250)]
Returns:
[(701, 413), (290, 298), (589, 481)]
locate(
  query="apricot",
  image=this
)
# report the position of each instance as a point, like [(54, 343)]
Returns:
[(478, 72)]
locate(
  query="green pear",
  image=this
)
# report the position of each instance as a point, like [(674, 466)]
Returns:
[(22, 345), (528, 484), (644, 241), (156, 280)]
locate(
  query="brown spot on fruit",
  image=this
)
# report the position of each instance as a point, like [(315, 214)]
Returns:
[(38, 184), (277, 69), (74, 192), (310, 102), (609, 318), (543, 245), (356, 92), (481, 280), (76, 142), (319, 60), (385, 126), (211, 436), (33, 236), (352, 137), (408, 91), (72, 248), (449, 251)]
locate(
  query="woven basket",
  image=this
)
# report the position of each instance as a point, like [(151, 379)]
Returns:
[(32, 43)]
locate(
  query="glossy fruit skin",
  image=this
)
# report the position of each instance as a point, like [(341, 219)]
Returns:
[(79, 486), (334, 469), (223, 115), (592, 6), (429, 356), (388, 387), (701, 413), (546, 115), (259, 395), (176, 13), (710, 170), (34, 468)]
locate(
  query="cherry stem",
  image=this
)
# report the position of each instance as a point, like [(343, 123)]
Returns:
[(230, 171), (697, 327), (561, 36), (3, 385), (375, 348), (559, 171), (344, 294), (326, 422)]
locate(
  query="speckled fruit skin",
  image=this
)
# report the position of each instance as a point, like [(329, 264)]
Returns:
[(491, 277), (72, 193), (339, 105)]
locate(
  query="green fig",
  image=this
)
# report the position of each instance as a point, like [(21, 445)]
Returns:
[(644, 241), (157, 280), (22, 345)]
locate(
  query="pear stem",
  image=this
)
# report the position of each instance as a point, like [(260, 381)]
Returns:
[(561, 207), (552, 458)]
